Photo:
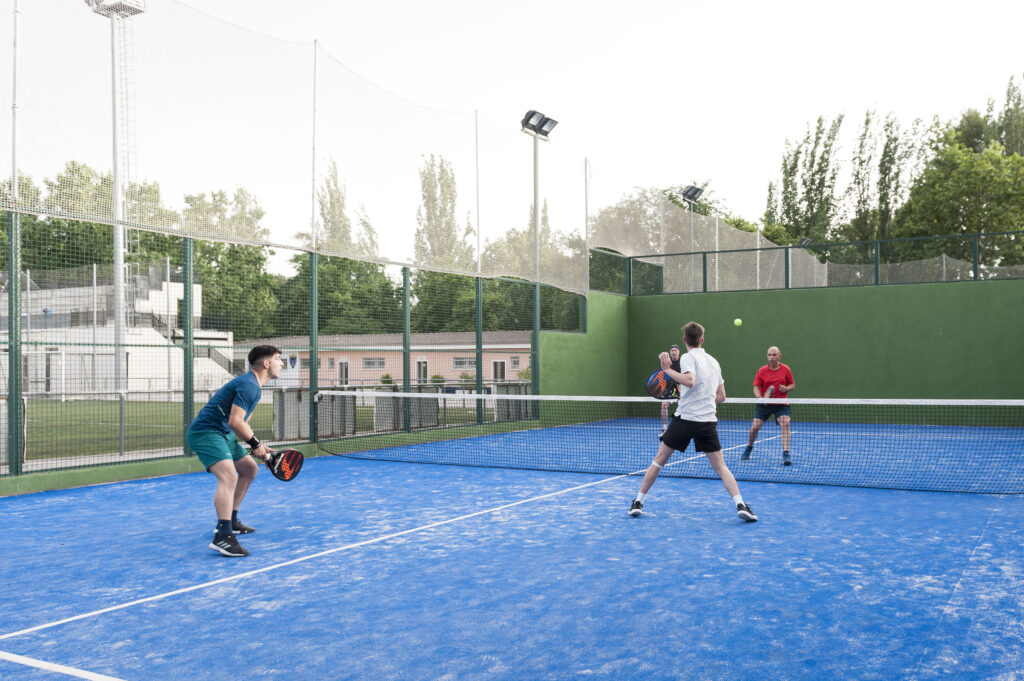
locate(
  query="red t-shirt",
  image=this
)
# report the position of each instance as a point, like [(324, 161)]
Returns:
[(766, 376)]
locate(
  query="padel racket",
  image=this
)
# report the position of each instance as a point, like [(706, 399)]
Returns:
[(660, 385), (285, 464), (768, 393)]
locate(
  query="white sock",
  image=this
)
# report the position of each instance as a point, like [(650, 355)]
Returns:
[(738, 499), (641, 496)]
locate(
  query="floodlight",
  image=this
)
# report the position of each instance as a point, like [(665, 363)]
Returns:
[(532, 119), (117, 8), (537, 124), (692, 193)]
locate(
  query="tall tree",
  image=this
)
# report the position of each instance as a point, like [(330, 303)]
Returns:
[(1011, 120), (237, 289), (355, 296), (440, 298)]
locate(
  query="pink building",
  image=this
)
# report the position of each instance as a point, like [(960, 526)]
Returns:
[(365, 359)]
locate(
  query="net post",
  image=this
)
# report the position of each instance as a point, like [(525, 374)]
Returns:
[(535, 349), (479, 349), (406, 342), (188, 400), (14, 440), (314, 348)]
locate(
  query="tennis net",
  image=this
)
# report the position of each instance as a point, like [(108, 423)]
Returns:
[(972, 446)]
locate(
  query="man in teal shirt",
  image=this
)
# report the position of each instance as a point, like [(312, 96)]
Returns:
[(214, 436)]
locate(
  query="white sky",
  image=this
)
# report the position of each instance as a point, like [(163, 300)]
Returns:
[(652, 92), (715, 88)]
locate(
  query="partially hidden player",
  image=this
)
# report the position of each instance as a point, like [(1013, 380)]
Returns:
[(673, 355)]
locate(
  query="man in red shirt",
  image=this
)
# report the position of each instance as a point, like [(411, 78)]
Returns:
[(777, 378)]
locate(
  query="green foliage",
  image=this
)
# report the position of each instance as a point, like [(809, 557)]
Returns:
[(355, 297), (437, 379), (467, 377), (777, 234), (963, 192), (525, 374), (386, 379)]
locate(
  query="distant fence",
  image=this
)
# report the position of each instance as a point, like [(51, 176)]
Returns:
[(972, 257)]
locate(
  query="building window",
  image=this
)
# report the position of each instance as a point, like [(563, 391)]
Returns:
[(373, 362), (514, 361), (463, 362), (330, 362)]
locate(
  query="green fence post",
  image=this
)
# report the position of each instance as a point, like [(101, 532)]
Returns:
[(479, 348), (786, 267), (14, 400), (535, 350), (704, 270), (629, 276), (314, 346), (975, 258), (188, 405), (878, 263), (406, 343)]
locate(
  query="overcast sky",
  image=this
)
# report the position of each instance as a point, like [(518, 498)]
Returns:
[(667, 92), (653, 93)]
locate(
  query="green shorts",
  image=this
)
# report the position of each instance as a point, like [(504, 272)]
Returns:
[(212, 446)]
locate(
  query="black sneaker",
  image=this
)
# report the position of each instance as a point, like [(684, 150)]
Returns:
[(746, 513), (637, 508), (786, 461), (746, 453), (238, 527), (229, 546)]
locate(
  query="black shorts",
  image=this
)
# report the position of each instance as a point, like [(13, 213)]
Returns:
[(763, 412), (703, 433)]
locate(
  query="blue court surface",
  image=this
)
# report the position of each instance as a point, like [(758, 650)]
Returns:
[(383, 570)]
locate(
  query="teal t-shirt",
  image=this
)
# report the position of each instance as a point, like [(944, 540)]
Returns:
[(244, 391)]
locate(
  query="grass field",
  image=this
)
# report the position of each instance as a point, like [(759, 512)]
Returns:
[(81, 427)]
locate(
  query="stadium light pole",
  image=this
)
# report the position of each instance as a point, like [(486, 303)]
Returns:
[(537, 126), (117, 11), (690, 194)]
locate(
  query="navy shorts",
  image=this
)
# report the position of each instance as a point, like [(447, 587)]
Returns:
[(763, 412), (703, 433)]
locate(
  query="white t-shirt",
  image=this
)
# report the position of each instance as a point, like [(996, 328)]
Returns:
[(698, 403)]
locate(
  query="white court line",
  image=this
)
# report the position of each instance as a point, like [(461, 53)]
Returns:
[(295, 561), (51, 667)]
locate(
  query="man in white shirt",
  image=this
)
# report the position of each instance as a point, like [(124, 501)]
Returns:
[(701, 389)]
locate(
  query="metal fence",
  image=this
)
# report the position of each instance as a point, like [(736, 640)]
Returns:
[(972, 257)]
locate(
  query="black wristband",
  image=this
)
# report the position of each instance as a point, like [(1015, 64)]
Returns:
[(254, 442)]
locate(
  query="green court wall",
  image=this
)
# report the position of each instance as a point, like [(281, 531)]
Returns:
[(947, 340), (590, 363)]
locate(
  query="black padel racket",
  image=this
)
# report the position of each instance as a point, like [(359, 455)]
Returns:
[(660, 385), (285, 464)]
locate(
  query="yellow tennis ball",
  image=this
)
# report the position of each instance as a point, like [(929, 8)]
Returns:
[(738, 321)]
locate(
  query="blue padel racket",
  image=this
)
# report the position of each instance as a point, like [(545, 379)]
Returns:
[(660, 385), (769, 392), (285, 464)]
